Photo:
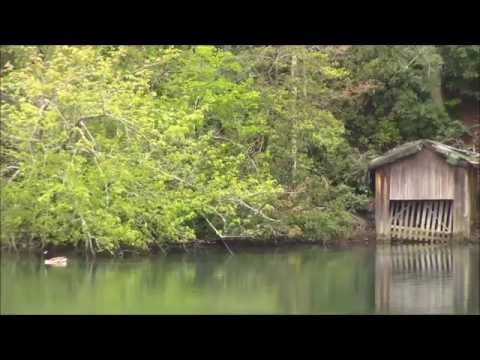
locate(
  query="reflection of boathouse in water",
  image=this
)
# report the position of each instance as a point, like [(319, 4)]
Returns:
[(426, 279)]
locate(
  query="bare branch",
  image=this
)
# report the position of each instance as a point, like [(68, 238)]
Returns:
[(218, 214), (219, 234), (14, 175), (256, 211)]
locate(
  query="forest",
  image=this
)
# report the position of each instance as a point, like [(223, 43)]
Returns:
[(107, 148)]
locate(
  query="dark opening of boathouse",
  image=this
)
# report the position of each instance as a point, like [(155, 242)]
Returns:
[(426, 191)]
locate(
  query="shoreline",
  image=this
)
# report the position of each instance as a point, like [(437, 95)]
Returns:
[(230, 246), (201, 246)]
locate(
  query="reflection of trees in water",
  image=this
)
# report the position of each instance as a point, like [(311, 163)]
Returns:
[(300, 281), (427, 279), (305, 280)]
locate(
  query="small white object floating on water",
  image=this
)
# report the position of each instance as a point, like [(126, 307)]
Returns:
[(56, 261)]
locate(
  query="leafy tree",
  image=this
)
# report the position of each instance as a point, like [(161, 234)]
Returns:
[(461, 70), (393, 96), (102, 160), (112, 147)]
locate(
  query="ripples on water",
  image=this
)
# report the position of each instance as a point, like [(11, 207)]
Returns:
[(396, 279)]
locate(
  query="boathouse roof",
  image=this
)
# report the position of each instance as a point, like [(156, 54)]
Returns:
[(454, 156)]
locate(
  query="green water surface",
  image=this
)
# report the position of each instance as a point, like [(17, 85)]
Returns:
[(300, 280)]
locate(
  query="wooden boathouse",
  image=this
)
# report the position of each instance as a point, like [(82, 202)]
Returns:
[(426, 191)]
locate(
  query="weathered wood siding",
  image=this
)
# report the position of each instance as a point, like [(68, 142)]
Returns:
[(423, 197), (462, 205), (423, 176), (382, 203), (475, 202)]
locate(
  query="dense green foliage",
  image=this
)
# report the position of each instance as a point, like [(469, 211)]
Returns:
[(108, 147)]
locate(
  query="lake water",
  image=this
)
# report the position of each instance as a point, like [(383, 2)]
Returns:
[(387, 279)]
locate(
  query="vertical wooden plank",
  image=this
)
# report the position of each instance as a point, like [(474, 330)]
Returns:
[(450, 218), (422, 220), (382, 200), (413, 221), (447, 219), (386, 203), (399, 211), (395, 221), (443, 224), (429, 220), (434, 220), (438, 227), (399, 219), (468, 206), (391, 205), (443, 228), (411, 224), (407, 220), (404, 220), (392, 217), (460, 204), (378, 203), (417, 220), (425, 175), (474, 190)]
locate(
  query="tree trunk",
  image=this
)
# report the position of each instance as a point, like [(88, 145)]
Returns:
[(294, 121), (436, 90)]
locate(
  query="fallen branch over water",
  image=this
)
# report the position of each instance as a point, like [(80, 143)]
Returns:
[(218, 234)]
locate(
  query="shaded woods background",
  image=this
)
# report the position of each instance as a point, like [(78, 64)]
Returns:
[(113, 147)]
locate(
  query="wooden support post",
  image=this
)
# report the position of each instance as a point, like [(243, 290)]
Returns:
[(461, 206), (382, 202)]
